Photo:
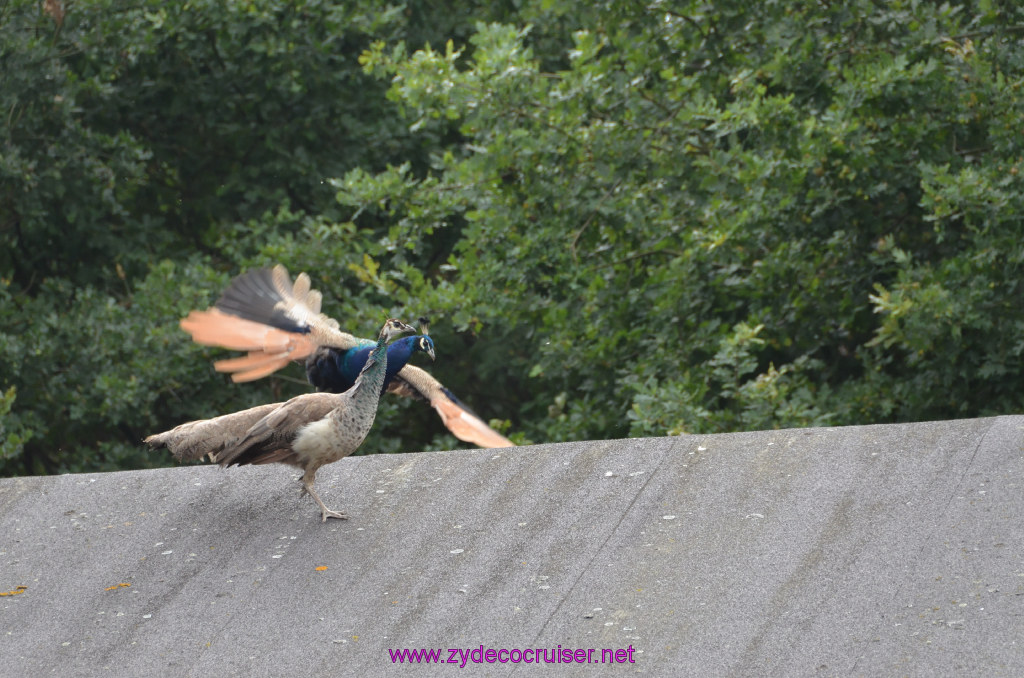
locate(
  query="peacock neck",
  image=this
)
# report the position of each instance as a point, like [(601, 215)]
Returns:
[(371, 377)]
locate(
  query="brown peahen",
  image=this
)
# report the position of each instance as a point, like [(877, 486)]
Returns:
[(308, 431)]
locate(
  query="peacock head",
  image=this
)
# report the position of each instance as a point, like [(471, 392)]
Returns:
[(394, 328), (425, 343)]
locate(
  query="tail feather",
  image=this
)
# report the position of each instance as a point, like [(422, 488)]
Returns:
[(196, 439), (281, 456)]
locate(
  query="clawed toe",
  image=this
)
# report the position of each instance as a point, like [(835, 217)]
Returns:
[(326, 513)]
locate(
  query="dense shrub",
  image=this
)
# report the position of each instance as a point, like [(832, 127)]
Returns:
[(625, 219)]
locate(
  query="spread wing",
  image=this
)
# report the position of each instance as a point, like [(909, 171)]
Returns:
[(413, 382), (274, 320)]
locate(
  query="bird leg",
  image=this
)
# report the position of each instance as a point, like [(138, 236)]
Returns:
[(308, 478)]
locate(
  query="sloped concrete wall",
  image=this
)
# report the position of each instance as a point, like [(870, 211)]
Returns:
[(876, 550)]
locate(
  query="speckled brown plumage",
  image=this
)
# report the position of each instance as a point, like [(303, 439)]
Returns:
[(308, 431)]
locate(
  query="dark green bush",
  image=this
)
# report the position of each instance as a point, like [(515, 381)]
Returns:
[(625, 219)]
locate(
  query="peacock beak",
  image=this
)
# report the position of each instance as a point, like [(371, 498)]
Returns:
[(430, 352)]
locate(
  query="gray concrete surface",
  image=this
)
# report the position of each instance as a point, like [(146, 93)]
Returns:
[(873, 551)]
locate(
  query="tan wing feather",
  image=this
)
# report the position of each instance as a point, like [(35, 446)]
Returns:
[(250, 361), (293, 302), (265, 293), (314, 299), (259, 372), (216, 328), (463, 424), (301, 289)]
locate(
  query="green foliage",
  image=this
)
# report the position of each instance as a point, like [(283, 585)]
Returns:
[(729, 217), (624, 219), (13, 435), (132, 137)]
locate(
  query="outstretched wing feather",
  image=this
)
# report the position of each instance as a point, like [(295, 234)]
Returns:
[(276, 321), (411, 381), (267, 296)]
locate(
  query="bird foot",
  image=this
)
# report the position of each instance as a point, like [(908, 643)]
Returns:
[(327, 513)]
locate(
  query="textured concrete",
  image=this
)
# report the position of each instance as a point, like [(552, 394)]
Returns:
[(874, 551)]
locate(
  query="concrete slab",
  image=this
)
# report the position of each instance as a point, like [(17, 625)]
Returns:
[(875, 550)]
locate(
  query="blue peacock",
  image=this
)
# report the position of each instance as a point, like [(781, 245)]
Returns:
[(277, 321)]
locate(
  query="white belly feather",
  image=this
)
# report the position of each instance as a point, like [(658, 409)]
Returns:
[(329, 439), (320, 442)]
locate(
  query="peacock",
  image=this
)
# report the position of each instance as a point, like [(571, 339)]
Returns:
[(334, 370), (308, 431), (276, 321)]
